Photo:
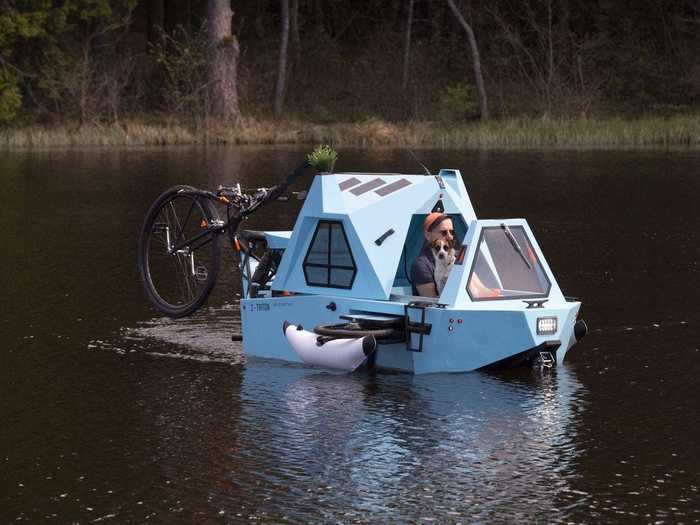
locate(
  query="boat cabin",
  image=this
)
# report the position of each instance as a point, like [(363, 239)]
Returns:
[(358, 234)]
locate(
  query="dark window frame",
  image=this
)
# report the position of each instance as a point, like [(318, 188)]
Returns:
[(323, 223), (510, 298)]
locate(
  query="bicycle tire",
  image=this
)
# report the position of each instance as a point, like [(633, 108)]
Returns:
[(178, 283)]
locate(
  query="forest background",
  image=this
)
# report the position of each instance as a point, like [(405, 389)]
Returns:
[(435, 72)]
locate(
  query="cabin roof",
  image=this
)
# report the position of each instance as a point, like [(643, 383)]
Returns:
[(369, 205)]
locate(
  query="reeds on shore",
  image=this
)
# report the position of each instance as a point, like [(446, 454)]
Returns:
[(676, 130)]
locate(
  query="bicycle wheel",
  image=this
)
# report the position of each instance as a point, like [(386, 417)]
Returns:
[(178, 269)]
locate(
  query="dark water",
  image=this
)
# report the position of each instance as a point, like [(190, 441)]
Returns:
[(110, 413)]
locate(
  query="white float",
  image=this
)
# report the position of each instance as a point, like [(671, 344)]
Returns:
[(340, 354)]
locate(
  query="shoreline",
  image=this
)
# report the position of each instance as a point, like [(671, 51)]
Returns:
[(535, 132)]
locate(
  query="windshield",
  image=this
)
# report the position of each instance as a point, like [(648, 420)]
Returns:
[(506, 267)]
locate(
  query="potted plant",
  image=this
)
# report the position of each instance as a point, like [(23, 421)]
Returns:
[(323, 158)]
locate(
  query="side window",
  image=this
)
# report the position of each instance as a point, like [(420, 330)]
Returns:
[(506, 267), (329, 260)]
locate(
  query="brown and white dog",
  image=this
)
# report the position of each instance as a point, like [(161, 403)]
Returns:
[(444, 255)]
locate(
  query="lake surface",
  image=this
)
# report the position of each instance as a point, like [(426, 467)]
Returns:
[(111, 413)]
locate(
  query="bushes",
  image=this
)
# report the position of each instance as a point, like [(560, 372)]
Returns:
[(10, 97), (68, 59), (85, 61), (181, 56), (459, 102)]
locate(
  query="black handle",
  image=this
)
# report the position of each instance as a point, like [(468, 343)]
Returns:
[(384, 236)]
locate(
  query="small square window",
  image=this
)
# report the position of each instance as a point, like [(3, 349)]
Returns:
[(341, 277), (318, 254), (317, 275)]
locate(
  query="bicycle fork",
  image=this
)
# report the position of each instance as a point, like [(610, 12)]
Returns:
[(198, 273)]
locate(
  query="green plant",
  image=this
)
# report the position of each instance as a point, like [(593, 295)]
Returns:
[(10, 97), (459, 101), (182, 55), (323, 158)]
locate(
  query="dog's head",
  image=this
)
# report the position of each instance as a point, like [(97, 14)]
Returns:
[(443, 250)]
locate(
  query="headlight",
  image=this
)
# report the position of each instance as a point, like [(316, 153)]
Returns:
[(546, 325)]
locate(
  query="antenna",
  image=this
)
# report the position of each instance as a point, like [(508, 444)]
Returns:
[(427, 171)]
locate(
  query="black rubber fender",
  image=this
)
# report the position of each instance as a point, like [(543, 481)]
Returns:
[(349, 330)]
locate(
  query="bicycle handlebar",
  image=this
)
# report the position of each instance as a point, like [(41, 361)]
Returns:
[(278, 190), (248, 203)]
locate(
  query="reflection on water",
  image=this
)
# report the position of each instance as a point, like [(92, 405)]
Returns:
[(404, 448), (110, 414), (205, 336)]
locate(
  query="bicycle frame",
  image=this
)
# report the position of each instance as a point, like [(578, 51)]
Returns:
[(186, 297), (219, 226), (235, 220)]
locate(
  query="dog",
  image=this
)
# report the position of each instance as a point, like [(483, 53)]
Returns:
[(444, 255)]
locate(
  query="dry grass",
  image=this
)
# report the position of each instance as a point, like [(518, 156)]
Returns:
[(678, 130), (130, 134)]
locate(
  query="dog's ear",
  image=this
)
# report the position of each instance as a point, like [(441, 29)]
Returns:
[(452, 244)]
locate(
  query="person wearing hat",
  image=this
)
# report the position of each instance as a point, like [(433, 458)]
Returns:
[(435, 226), (439, 226)]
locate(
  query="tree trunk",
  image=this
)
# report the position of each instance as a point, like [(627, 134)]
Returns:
[(222, 61), (483, 103), (282, 64), (407, 46), (294, 28)]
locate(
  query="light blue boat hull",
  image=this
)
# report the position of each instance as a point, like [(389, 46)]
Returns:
[(480, 339)]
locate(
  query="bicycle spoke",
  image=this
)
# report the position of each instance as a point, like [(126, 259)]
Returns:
[(185, 293), (186, 274), (178, 270), (189, 212), (163, 241), (168, 225), (177, 222), (180, 284)]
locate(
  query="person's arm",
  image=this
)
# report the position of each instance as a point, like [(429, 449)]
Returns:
[(422, 277), (480, 290), (427, 290)]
